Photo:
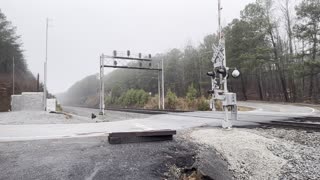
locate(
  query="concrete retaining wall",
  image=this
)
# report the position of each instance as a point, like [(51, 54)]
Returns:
[(16, 102), (32, 101)]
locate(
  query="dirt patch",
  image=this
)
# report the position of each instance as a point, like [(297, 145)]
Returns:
[(187, 160)]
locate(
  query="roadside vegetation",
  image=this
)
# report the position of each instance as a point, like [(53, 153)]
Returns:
[(138, 98)]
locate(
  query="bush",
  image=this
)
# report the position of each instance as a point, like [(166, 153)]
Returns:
[(172, 99), (203, 104), (153, 102), (218, 105), (191, 93), (134, 97)]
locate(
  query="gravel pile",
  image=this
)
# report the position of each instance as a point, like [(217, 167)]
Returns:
[(247, 153), (264, 153), (301, 150)]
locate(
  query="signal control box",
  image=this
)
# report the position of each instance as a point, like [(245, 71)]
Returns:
[(230, 99)]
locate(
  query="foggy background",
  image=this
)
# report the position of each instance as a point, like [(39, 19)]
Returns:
[(80, 30)]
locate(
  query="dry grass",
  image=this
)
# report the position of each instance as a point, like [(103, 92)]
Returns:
[(186, 105), (244, 108)]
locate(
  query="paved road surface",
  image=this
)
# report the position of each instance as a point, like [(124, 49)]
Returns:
[(89, 158), (59, 156), (178, 121)]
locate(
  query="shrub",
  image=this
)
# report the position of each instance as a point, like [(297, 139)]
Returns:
[(153, 102), (191, 93), (203, 104), (218, 105), (172, 99), (134, 97)]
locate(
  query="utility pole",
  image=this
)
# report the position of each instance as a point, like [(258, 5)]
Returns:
[(225, 85), (159, 89), (102, 103), (162, 78), (13, 83), (45, 69), (38, 82)]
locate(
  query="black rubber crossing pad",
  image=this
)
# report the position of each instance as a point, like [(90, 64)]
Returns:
[(141, 136)]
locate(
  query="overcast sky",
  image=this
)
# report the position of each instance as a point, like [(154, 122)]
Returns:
[(80, 30)]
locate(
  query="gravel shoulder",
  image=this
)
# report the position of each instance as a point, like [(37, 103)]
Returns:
[(40, 117), (264, 153), (72, 116)]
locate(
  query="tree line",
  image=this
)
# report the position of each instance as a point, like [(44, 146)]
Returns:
[(275, 47), (11, 48)]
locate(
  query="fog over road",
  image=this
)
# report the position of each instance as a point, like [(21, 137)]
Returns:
[(177, 121)]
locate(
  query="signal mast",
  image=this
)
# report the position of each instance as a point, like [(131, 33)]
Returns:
[(219, 76)]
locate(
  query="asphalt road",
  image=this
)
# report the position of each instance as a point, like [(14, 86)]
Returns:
[(81, 151), (90, 158), (178, 121)]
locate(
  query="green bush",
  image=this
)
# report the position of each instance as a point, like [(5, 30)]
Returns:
[(172, 99), (134, 97), (191, 93)]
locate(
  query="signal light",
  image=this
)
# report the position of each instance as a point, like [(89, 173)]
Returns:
[(212, 74), (235, 73), (150, 64), (115, 53), (115, 63), (149, 56), (140, 55), (222, 71), (210, 91), (128, 53)]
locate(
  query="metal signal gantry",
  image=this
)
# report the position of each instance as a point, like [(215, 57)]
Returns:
[(129, 62)]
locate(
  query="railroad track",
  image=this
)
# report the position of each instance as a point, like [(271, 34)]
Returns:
[(145, 111), (303, 123)]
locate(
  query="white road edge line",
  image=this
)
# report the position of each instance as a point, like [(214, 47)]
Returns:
[(144, 127), (313, 110)]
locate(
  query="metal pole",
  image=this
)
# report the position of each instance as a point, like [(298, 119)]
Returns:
[(102, 79), (45, 70), (225, 85), (13, 83), (162, 78), (159, 93), (219, 17), (102, 105), (100, 87)]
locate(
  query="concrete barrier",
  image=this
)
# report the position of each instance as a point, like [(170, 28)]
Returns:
[(31, 101)]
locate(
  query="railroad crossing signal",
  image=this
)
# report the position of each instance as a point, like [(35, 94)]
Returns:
[(219, 77), (218, 56)]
